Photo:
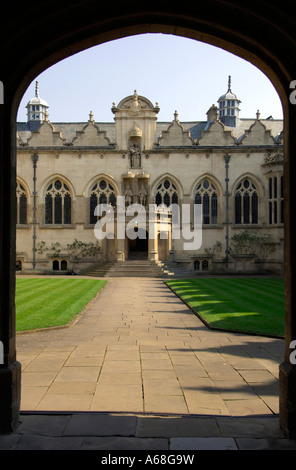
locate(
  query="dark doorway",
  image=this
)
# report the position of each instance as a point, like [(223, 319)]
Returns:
[(138, 247)]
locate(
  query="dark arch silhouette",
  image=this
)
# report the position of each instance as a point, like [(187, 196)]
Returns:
[(32, 39)]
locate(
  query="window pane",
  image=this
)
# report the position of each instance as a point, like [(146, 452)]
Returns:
[(22, 209), (48, 209), (158, 199), (246, 208), (67, 209), (275, 212), (214, 209), (254, 209), (175, 198), (93, 202), (270, 212), (238, 209), (167, 199), (112, 199), (270, 187), (64, 265), (57, 209), (197, 198), (206, 209)]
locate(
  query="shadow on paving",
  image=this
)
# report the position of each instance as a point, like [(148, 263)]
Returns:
[(122, 431)]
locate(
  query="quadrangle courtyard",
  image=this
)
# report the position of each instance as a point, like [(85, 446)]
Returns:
[(138, 348)]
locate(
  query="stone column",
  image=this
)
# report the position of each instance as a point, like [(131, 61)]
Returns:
[(287, 376), (10, 369)]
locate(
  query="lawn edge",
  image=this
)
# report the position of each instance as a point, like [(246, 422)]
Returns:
[(67, 325), (215, 328)]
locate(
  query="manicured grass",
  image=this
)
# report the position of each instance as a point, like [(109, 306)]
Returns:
[(44, 302), (254, 305)]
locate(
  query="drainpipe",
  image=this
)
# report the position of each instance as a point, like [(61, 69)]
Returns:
[(34, 160), (227, 159)]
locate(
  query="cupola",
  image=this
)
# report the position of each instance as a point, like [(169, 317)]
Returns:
[(229, 107), (37, 110)]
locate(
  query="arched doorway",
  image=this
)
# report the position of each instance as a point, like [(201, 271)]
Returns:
[(138, 247), (270, 45)]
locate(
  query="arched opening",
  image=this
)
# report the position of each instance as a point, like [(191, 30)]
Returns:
[(221, 26)]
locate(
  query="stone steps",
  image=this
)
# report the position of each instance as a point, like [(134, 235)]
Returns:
[(98, 270), (134, 268)]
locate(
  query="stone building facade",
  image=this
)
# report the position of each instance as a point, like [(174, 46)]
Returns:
[(231, 166)]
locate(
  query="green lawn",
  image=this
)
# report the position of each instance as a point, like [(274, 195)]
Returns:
[(44, 302), (254, 305)]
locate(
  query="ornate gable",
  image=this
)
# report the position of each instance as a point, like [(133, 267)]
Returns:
[(46, 136), (91, 136), (134, 105), (216, 134), (257, 134), (175, 135)]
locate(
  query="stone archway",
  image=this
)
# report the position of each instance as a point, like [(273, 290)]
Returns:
[(269, 44)]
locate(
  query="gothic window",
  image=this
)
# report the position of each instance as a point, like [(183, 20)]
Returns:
[(206, 194), (102, 192), (246, 203), (55, 265), (21, 197), (64, 265), (58, 203), (275, 200), (166, 193)]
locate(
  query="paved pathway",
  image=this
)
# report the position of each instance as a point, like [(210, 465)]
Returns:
[(138, 348)]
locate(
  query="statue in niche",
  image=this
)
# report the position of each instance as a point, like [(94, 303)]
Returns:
[(135, 156), (142, 196), (128, 195)]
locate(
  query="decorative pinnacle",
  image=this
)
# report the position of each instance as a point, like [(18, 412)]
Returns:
[(229, 83), (36, 89)]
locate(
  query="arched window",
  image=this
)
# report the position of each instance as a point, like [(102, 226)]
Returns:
[(58, 203), (166, 193), (64, 265), (246, 203), (102, 192), (206, 194), (55, 265), (21, 197)]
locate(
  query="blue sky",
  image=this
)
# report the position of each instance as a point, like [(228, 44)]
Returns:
[(179, 73)]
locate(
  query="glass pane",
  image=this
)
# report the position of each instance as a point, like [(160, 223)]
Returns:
[(67, 209), (214, 209), (103, 184), (254, 209), (246, 209), (57, 184), (197, 198), (175, 198), (158, 199), (238, 209), (64, 265), (206, 209), (57, 209), (166, 184), (112, 199), (48, 209), (22, 209), (93, 202), (103, 199), (167, 199)]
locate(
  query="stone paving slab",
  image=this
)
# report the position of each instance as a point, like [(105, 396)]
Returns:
[(139, 349), (131, 432)]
